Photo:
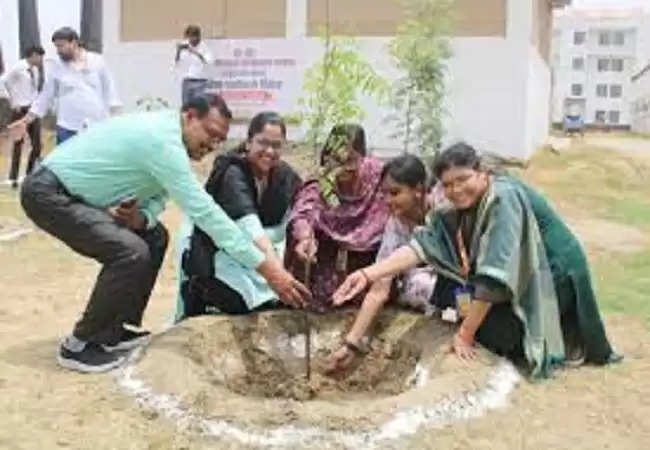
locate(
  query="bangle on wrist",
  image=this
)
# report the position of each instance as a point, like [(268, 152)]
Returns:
[(365, 275), (354, 348)]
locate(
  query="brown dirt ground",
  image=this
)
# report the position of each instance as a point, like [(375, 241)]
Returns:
[(44, 407)]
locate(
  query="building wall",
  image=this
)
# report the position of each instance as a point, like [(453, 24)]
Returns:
[(9, 32), (540, 35), (217, 18), (497, 92), (477, 18), (539, 96)]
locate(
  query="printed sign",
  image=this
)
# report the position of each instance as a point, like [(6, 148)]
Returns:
[(256, 75)]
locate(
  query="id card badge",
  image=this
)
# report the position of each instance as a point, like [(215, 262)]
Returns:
[(463, 296)]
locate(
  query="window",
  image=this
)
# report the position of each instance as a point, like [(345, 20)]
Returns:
[(603, 38), (579, 37), (603, 65), (600, 116), (614, 117), (615, 91), (578, 63), (619, 38), (617, 65), (576, 90), (601, 90)]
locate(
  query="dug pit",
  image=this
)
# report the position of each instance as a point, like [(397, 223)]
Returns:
[(250, 371)]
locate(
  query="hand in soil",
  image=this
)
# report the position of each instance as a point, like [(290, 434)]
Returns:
[(353, 285), (340, 360), (290, 291), (463, 348)]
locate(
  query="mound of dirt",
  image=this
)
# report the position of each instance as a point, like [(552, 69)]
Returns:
[(250, 370)]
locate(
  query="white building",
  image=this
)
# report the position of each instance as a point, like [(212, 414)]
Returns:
[(593, 59), (498, 95)]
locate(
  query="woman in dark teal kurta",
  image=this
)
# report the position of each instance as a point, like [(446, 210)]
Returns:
[(525, 272)]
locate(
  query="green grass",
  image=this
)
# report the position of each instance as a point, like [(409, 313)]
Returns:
[(603, 184), (623, 284)]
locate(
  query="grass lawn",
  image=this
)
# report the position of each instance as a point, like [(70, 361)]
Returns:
[(613, 187)]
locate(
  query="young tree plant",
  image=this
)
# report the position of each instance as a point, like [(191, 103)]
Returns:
[(421, 50)]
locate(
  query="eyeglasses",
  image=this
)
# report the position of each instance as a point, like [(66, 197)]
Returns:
[(266, 143), (460, 181)]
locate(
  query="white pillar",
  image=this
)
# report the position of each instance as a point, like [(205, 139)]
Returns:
[(296, 19), (519, 26), (9, 32), (111, 24)]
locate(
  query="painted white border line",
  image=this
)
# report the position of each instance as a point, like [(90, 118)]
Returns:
[(13, 235), (494, 395)]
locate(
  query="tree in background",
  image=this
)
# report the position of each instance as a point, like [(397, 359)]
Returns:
[(334, 86), (421, 50)]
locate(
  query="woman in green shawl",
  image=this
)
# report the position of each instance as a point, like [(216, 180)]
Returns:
[(508, 264)]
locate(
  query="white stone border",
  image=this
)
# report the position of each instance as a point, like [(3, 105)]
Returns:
[(500, 384), (13, 235)]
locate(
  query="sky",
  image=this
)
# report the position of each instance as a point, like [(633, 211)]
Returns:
[(611, 3)]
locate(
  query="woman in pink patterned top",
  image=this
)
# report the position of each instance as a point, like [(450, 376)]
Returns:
[(337, 219), (404, 183)]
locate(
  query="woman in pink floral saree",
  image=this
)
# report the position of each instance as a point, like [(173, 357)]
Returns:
[(337, 219)]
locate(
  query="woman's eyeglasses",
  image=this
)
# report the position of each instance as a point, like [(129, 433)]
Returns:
[(266, 143)]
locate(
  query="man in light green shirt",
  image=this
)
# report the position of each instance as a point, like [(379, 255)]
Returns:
[(101, 193)]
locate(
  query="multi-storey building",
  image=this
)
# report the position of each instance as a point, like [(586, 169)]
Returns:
[(594, 55)]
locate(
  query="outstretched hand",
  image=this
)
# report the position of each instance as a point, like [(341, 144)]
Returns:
[(290, 291), (463, 347), (353, 285)]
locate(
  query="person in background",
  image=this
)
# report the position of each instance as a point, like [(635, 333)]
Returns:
[(81, 85), (192, 58), (337, 220), (22, 83), (255, 188), (101, 194), (405, 187), (516, 274)]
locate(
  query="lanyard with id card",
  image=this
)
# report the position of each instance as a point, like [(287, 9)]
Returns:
[(463, 295)]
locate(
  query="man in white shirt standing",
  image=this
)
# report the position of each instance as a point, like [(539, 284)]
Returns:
[(21, 85), (81, 85), (192, 59)]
